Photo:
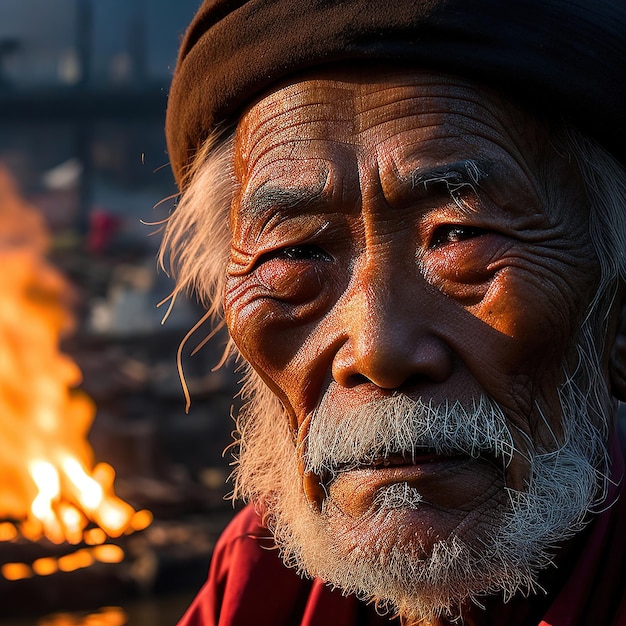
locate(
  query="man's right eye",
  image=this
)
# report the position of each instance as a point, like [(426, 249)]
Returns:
[(293, 274), (304, 252)]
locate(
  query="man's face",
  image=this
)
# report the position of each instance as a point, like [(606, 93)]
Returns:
[(407, 236)]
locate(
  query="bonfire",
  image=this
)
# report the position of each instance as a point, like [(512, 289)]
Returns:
[(49, 485)]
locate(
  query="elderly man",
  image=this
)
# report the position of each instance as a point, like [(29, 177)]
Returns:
[(411, 216)]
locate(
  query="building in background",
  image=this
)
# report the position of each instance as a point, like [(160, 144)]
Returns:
[(83, 88), (83, 92), (107, 43)]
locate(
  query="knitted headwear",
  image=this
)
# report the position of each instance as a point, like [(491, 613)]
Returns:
[(563, 58)]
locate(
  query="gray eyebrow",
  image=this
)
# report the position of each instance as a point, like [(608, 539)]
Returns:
[(272, 197), (455, 176)]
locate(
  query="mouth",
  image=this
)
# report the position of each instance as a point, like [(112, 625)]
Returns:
[(381, 471), (418, 457)]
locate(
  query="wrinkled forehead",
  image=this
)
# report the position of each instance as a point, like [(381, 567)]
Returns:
[(344, 128), (378, 111)]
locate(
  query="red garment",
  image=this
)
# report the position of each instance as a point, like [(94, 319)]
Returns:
[(249, 586)]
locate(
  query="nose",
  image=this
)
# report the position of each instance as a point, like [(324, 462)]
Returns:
[(390, 339)]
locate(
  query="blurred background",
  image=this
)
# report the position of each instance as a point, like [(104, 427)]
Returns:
[(111, 496)]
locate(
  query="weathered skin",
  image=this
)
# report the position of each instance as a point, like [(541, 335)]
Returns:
[(350, 276)]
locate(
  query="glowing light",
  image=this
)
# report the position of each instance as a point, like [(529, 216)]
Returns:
[(75, 560), (73, 522), (8, 532), (108, 553), (16, 571), (45, 566), (94, 536), (114, 515), (140, 520), (59, 619), (31, 529), (106, 616), (46, 478), (91, 493)]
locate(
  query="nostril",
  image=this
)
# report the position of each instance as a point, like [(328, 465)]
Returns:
[(353, 380)]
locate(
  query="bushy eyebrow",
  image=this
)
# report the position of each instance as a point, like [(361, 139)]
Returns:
[(454, 176), (411, 181), (270, 197)]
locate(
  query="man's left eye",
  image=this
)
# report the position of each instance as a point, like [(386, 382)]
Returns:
[(454, 233)]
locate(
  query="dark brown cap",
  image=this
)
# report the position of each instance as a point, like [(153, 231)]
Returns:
[(561, 58)]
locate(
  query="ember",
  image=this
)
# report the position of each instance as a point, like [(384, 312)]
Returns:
[(44, 566), (50, 487)]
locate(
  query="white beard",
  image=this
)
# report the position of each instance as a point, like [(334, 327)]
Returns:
[(563, 488)]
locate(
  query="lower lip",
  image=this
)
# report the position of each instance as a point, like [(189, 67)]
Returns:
[(432, 475), (419, 468)]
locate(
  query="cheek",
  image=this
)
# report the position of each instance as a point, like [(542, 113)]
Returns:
[(535, 316), (276, 335), (294, 286), (539, 301)]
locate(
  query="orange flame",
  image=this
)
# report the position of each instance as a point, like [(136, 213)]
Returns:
[(48, 483)]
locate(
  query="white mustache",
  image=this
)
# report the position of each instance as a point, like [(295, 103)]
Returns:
[(402, 425)]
